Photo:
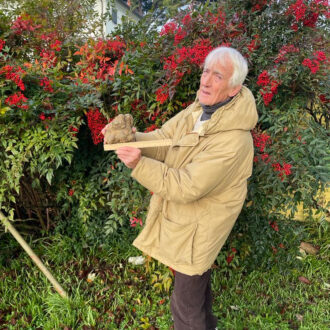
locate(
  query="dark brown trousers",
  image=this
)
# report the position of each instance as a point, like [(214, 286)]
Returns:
[(191, 302)]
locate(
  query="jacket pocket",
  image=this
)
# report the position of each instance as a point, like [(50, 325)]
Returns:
[(183, 214), (176, 241)]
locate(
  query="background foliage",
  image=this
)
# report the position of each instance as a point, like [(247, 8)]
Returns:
[(60, 85)]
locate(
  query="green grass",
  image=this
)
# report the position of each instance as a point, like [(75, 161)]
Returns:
[(122, 296)]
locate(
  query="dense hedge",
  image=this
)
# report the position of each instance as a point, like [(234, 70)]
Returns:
[(58, 91)]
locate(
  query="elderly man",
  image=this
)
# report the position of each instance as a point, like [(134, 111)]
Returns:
[(199, 183)]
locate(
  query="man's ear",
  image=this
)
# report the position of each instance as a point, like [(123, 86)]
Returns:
[(235, 90)]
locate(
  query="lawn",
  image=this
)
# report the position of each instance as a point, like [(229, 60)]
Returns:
[(108, 292)]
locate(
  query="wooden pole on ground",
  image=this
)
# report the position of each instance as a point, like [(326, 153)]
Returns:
[(33, 256)]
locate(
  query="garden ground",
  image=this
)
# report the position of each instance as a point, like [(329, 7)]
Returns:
[(107, 292)]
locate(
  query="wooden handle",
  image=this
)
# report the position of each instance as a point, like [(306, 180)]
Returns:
[(139, 144), (32, 255)]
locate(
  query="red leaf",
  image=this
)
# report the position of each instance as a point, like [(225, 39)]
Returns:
[(304, 280)]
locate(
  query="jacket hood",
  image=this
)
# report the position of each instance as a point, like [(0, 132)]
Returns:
[(239, 114)]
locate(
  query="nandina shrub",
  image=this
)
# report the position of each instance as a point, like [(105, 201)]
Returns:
[(42, 109), (153, 73), (52, 111)]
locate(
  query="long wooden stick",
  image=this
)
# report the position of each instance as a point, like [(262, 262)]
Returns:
[(33, 256), (139, 144)]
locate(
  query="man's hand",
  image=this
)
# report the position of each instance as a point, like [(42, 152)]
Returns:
[(129, 156)]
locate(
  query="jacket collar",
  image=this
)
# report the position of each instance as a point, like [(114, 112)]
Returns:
[(239, 113)]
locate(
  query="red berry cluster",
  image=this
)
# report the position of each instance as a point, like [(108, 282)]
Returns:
[(263, 78), (306, 14), (324, 99), (2, 43), (139, 105), (46, 83), (286, 49), (96, 122), (43, 117), (218, 19), (168, 28), (14, 74), (179, 36), (186, 20), (260, 141), (173, 28), (298, 9), (269, 88), (56, 45), (151, 128), (254, 44), (17, 99), (74, 130), (48, 36), (162, 94), (259, 5), (193, 55), (284, 169), (314, 63)]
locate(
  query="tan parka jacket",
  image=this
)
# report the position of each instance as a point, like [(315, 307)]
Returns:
[(199, 184)]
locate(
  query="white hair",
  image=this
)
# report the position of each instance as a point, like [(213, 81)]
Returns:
[(240, 66)]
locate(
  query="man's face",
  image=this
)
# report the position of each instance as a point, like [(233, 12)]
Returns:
[(214, 84)]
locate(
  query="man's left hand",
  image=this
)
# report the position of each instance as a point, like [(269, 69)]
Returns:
[(129, 156)]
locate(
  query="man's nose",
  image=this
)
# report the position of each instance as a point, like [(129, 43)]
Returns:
[(206, 80)]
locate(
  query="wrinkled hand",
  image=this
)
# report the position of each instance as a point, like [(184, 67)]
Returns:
[(129, 156), (106, 127)]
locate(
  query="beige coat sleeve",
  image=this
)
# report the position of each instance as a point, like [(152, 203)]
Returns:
[(165, 132), (216, 167)]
